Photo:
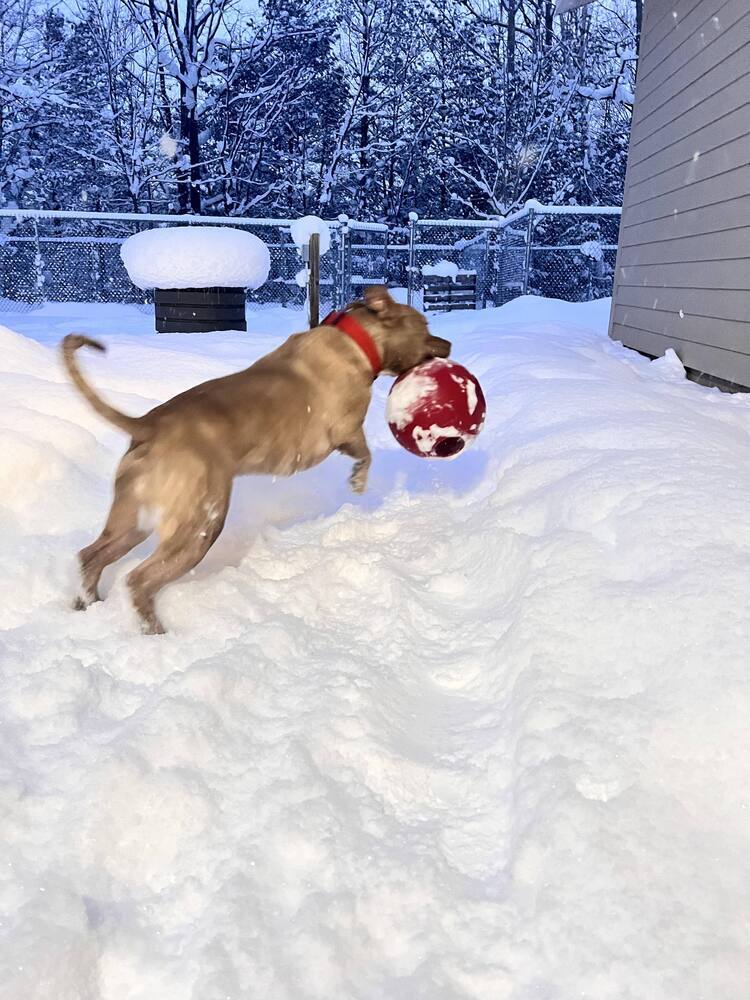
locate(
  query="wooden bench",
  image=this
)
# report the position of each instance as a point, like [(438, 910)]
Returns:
[(447, 295)]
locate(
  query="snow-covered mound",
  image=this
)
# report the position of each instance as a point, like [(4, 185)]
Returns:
[(196, 257), (481, 734)]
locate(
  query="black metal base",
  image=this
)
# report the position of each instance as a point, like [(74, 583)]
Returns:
[(199, 310)]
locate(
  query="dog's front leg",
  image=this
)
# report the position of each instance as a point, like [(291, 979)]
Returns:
[(357, 449)]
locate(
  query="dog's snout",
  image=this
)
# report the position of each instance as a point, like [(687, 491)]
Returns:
[(440, 348)]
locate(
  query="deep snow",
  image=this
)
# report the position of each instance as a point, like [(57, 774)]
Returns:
[(480, 735)]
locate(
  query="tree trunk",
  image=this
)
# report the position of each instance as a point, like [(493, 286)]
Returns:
[(364, 125), (188, 182), (512, 6), (364, 139), (549, 16), (195, 170)]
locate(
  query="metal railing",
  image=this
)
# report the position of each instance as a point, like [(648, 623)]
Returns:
[(563, 252)]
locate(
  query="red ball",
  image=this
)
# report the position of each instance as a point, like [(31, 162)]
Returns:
[(436, 409)]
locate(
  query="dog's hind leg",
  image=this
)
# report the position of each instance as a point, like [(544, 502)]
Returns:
[(121, 533), (357, 449), (181, 549)]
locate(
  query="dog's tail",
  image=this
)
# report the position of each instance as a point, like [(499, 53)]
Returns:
[(131, 425)]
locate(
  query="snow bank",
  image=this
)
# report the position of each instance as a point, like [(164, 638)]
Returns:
[(196, 257), (479, 735), (302, 229)]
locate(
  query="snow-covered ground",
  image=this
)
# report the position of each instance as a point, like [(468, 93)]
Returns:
[(480, 735)]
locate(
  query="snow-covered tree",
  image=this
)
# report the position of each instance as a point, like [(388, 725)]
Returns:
[(453, 107), (31, 95), (186, 37), (259, 138)]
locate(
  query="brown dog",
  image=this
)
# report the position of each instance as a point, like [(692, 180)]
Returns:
[(287, 412)]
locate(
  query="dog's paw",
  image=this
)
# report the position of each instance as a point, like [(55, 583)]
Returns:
[(152, 626), (85, 599), (358, 480)]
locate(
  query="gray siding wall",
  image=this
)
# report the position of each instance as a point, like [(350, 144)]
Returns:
[(683, 267)]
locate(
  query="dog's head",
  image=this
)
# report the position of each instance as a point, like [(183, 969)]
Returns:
[(401, 333)]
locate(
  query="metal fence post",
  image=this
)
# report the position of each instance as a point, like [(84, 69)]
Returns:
[(529, 249), (485, 290), (499, 297), (38, 274), (343, 282), (411, 268), (386, 247)]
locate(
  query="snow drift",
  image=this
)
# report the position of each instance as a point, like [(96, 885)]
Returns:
[(481, 735)]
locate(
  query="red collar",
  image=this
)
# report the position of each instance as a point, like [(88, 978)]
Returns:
[(345, 322)]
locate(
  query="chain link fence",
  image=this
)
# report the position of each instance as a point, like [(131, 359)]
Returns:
[(558, 252), (564, 253), (572, 254), (449, 248), (69, 257)]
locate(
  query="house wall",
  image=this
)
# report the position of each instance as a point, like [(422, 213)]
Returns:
[(683, 267)]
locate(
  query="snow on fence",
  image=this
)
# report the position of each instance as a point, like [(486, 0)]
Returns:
[(560, 251)]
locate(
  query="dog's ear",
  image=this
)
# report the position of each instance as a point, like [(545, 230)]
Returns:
[(378, 298)]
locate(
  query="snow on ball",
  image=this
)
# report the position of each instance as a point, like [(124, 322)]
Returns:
[(302, 229), (196, 257), (436, 409)]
